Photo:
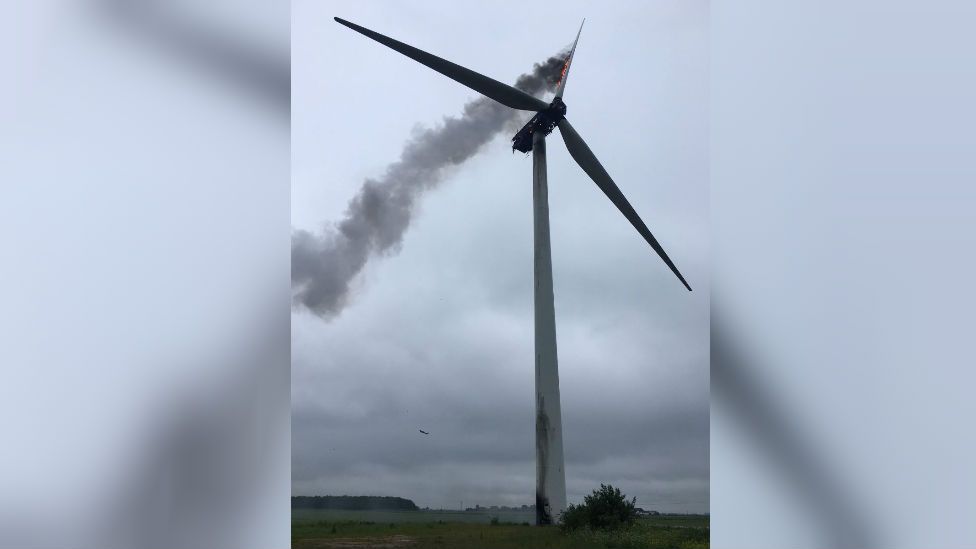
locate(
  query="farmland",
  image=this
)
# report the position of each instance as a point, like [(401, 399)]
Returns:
[(327, 529)]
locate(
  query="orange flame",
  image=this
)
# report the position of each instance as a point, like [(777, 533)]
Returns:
[(562, 74)]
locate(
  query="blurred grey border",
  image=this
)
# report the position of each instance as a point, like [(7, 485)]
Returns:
[(842, 174), (145, 399)]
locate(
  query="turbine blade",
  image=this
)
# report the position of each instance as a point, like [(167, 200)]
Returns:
[(569, 61), (587, 160), (503, 93)]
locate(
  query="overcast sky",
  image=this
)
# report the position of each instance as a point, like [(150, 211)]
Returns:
[(439, 335)]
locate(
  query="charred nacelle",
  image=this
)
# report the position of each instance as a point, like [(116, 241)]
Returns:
[(543, 121)]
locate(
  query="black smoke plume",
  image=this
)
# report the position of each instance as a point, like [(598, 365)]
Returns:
[(323, 265)]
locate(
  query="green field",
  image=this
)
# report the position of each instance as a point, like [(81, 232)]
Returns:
[(334, 515), (326, 529)]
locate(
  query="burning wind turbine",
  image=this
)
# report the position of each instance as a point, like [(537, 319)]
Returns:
[(550, 475)]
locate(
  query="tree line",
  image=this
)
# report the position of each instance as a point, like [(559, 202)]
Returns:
[(353, 503)]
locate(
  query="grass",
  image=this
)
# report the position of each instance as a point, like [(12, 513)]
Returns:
[(318, 532), (333, 515)]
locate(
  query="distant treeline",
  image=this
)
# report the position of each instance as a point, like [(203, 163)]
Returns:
[(353, 503)]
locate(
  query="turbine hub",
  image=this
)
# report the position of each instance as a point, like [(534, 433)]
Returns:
[(558, 108)]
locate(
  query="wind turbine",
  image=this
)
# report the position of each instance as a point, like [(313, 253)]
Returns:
[(550, 497)]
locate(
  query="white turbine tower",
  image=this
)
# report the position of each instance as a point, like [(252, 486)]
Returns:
[(550, 498)]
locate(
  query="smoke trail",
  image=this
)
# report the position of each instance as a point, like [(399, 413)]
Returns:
[(322, 266)]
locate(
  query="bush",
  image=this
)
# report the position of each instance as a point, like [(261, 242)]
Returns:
[(604, 509), (494, 521)]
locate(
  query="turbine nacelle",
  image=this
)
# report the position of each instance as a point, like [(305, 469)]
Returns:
[(544, 121)]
